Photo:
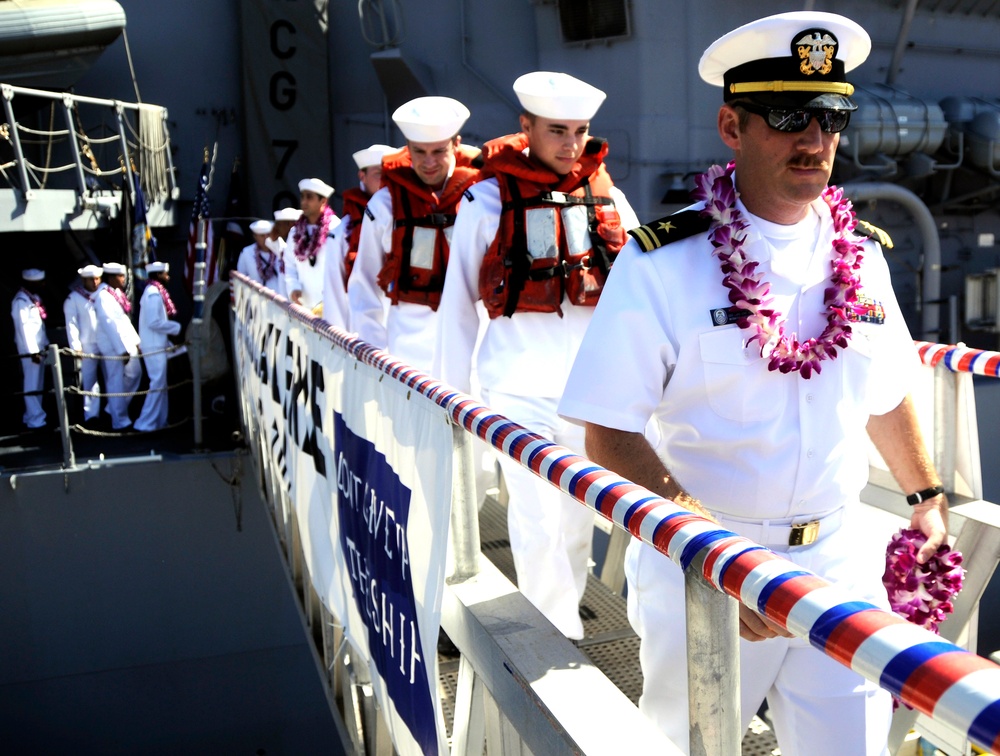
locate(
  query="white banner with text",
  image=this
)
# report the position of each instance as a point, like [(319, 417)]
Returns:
[(366, 466)]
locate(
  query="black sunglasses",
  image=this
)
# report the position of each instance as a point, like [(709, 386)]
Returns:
[(794, 121)]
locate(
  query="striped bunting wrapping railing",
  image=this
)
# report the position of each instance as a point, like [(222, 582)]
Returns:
[(930, 674), (959, 359)]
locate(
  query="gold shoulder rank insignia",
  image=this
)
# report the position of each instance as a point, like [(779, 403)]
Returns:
[(669, 229), (867, 230)]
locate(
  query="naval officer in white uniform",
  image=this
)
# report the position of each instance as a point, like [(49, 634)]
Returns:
[(309, 242), (763, 405), (156, 309), (257, 261), (81, 333), (117, 338), (28, 313)]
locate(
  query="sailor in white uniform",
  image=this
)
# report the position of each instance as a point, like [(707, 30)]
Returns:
[(28, 313), (117, 337), (81, 333), (761, 429), (257, 261), (155, 327), (309, 242), (524, 358), (284, 220)]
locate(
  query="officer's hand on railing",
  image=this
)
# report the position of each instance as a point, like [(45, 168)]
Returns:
[(754, 627), (37, 359)]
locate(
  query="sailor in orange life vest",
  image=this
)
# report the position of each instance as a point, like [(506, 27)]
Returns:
[(369, 162), (534, 242), (724, 327), (309, 243), (404, 246)]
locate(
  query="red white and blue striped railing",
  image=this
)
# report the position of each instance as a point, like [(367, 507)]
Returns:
[(930, 674), (959, 359)]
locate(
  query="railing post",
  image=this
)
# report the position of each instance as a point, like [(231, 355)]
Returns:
[(15, 138), (713, 653), (464, 507), (197, 325), (74, 145), (69, 458)]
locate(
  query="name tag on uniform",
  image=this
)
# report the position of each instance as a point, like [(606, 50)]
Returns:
[(866, 310), (727, 315)]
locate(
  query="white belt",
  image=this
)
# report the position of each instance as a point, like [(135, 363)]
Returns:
[(800, 531)]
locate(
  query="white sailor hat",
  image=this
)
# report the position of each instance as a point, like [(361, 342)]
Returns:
[(114, 269), (558, 95), (90, 271), (33, 274), (315, 185), (431, 119), (791, 60), (372, 156), (158, 267), (288, 214), (261, 227)]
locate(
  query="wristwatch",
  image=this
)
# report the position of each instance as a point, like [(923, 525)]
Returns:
[(928, 493)]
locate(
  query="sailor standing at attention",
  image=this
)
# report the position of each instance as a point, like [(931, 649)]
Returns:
[(309, 243), (117, 338), (355, 199), (257, 261), (404, 246), (534, 243), (81, 333), (760, 329), (156, 309), (28, 313)]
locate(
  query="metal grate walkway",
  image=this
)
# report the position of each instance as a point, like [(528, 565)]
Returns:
[(609, 640)]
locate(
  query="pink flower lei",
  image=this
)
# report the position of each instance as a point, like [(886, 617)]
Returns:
[(921, 593), (307, 245), (168, 303), (748, 291)]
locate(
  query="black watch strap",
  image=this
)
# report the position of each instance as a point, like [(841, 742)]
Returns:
[(928, 493)]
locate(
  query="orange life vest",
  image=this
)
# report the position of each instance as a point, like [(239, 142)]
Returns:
[(355, 201), (557, 235), (422, 219)]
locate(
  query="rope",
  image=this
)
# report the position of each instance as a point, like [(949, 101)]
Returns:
[(37, 132), (46, 171), (91, 356), (80, 392), (84, 431)]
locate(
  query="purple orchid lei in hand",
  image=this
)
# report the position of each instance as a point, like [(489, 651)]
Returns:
[(921, 593), (748, 291)]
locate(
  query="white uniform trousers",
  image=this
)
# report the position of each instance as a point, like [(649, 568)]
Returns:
[(154, 407), (818, 706), (89, 382), (550, 533), (121, 377), (34, 380)]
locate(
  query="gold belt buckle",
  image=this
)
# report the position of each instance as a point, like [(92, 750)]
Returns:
[(804, 533)]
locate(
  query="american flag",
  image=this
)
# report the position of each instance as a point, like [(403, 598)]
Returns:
[(200, 210)]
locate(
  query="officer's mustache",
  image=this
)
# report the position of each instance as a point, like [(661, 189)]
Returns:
[(808, 162)]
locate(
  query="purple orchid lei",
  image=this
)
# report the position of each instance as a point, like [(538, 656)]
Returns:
[(921, 593), (168, 303), (307, 245), (748, 291)]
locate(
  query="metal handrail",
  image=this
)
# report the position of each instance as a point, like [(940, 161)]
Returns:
[(67, 99), (967, 687)]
